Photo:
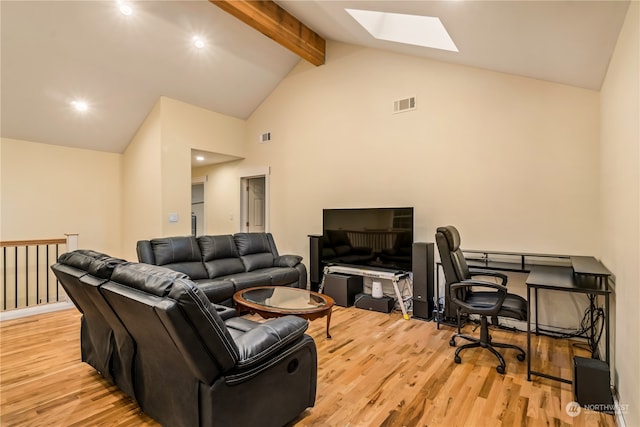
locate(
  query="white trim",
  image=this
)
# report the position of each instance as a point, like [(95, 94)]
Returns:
[(252, 172), (619, 413), (32, 311), (199, 179)]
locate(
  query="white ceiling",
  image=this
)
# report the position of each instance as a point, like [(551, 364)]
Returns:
[(54, 51)]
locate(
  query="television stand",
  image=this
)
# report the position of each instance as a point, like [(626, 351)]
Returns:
[(395, 276)]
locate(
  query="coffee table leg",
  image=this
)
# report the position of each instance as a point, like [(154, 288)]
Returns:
[(328, 322)]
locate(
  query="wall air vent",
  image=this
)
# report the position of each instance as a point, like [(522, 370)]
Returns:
[(402, 105), (265, 137)]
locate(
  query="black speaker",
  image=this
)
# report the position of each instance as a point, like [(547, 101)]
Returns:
[(423, 286), (315, 266), (343, 288), (367, 302), (592, 384)]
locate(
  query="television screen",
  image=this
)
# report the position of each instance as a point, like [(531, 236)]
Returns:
[(377, 237)]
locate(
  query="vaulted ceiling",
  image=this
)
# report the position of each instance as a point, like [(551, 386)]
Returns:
[(54, 52)]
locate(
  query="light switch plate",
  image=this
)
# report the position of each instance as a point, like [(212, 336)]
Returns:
[(173, 217)]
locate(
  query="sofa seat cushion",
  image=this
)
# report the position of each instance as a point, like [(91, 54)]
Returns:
[(264, 341), (217, 290), (249, 280), (281, 275)]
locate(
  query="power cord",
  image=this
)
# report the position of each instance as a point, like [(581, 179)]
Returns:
[(591, 312)]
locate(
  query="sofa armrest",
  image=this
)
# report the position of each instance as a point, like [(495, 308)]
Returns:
[(261, 343), (224, 311), (145, 252), (287, 261)]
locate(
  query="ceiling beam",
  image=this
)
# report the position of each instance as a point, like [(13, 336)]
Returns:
[(278, 24)]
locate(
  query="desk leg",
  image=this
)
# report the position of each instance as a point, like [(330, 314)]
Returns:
[(536, 305), (528, 333), (592, 326), (606, 324), (437, 301)]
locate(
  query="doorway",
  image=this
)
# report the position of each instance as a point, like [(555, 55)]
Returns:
[(256, 198), (197, 209)]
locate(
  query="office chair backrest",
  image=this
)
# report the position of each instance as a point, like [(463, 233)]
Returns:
[(448, 240)]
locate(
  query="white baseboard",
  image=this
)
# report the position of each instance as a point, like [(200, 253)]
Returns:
[(38, 309)]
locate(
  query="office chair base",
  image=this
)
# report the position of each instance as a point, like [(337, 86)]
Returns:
[(485, 342)]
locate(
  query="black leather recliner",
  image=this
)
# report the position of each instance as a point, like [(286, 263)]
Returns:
[(105, 343), (465, 292), (187, 365)]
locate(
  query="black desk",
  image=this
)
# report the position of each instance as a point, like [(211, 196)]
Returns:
[(587, 276)]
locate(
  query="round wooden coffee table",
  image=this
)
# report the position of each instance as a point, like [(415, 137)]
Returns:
[(277, 301)]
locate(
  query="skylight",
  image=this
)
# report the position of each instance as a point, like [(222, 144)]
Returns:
[(416, 30)]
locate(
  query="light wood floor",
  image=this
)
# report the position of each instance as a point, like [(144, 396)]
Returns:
[(378, 370)]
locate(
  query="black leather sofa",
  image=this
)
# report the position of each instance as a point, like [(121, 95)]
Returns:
[(186, 361), (222, 265)]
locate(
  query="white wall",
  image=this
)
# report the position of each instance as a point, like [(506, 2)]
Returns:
[(222, 197), (620, 159), (157, 167), (513, 162), (142, 189), (49, 190)]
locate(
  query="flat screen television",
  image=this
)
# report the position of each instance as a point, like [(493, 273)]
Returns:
[(377, 237)]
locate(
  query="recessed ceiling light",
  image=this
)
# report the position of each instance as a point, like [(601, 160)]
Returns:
[(125, 8), (81, 106), (198, 42), (416, 30), (200, 158)]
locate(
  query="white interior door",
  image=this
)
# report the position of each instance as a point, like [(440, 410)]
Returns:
[(256, 204)]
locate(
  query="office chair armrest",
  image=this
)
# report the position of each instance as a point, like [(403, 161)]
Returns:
[(492, 273), (484, 309)]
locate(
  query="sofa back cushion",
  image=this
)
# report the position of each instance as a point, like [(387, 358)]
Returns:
[(152, 279), (220, 255), (255, 250), (179, 254), (94, 263)]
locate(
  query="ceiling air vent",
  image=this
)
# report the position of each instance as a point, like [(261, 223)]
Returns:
[(265, 137), (402, 105)]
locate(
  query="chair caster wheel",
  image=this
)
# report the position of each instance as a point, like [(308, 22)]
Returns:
[(500, 369), (457, 359), (452, 343), (520, 357)]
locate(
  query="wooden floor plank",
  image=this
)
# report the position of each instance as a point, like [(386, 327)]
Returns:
[(378, 370)]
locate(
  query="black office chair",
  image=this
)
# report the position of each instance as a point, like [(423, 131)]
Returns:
[(462, 291)]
